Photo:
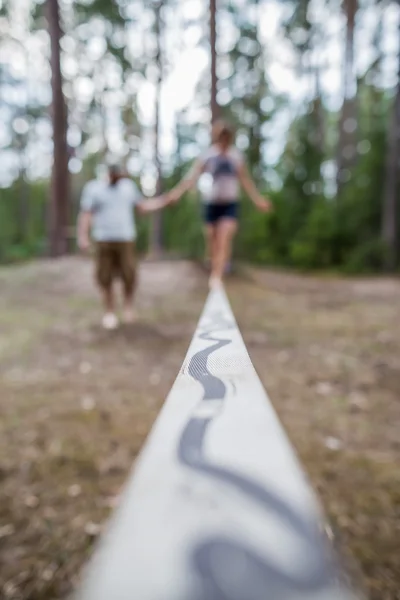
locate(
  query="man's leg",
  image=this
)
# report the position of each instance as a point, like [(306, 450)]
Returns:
[(128, 274), (104, 272), (108, 299)]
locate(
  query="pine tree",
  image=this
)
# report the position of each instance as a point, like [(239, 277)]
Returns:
[(390, 200), (60, 183), (215, 110), (346, 150)]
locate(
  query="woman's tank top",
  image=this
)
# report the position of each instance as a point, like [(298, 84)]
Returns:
[(223, 167)]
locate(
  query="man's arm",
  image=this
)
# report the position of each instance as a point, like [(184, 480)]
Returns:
[(84, 224), (187, 183), (83, 229), (251, 189)]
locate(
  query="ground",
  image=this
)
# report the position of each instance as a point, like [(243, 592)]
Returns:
[(77, 403)]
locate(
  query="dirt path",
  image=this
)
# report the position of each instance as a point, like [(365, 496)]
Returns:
[(77, 403)]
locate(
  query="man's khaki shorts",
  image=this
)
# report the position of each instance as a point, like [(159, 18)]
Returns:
[(116, 260)]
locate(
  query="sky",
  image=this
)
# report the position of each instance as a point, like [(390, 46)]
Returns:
[(190, 63)]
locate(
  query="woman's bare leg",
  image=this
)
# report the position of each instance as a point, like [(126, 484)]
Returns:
[(211, 239), (225, 232)]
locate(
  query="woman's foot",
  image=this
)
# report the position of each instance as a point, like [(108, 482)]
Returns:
[(214, 282), (110, 321)]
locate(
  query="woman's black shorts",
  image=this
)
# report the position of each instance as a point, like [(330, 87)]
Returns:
[(216, 211)]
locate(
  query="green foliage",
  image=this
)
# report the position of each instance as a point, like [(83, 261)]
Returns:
[(22, 238), (183, 228), (253, 235), (306, 230), (106, 9), (366, 257), (309, 227), (313, 247)]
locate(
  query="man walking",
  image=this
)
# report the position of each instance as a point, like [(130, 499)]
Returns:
[(107, 213)]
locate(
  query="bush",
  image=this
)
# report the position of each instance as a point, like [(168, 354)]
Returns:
[(367, 258), (313, 247)]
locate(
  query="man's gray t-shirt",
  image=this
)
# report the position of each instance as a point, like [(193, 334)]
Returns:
[(112, 209)]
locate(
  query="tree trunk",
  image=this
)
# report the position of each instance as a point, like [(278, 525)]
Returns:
[(156, 221), (318, 50), (390, 211), (215, 110), (23, 208), (351, 7), (60, 184), (346, 152)]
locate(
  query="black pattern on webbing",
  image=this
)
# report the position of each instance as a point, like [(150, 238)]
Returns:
[(227, 567)]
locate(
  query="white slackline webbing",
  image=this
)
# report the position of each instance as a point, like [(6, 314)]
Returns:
[(218, 507)]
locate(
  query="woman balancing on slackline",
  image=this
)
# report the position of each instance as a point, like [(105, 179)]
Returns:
[(227, 168)]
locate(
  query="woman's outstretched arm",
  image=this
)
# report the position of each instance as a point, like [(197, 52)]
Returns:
[(251, 190), (149, 205), (187, 182)]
